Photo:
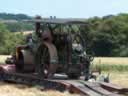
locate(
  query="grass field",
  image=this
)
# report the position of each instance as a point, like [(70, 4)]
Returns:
[(22, 90), (119, 78), (116, 67), (111, 60), (111, 63)]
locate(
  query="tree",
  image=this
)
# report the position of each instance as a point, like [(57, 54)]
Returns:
[(108, 36), (9, 41)]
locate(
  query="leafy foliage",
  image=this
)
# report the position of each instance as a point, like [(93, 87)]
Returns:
[(14, 22), (8, 16), (19, 27), (8, 40), (108, 36)]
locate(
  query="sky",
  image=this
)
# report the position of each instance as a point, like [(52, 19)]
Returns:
[(65, 8)]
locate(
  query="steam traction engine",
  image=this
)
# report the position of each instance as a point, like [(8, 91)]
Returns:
[(56, 46)]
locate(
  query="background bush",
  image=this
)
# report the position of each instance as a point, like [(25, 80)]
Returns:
[(9, 40)]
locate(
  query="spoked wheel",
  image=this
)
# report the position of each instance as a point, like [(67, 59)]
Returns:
[(42, 61)]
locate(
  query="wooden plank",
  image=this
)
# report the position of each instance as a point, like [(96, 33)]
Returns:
[(112, 87), (97, 88), (81, 89)]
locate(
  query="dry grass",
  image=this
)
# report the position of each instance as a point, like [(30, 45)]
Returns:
[(3, 58), (119, 78), (22, 90), (24, 33), (111, 60)]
